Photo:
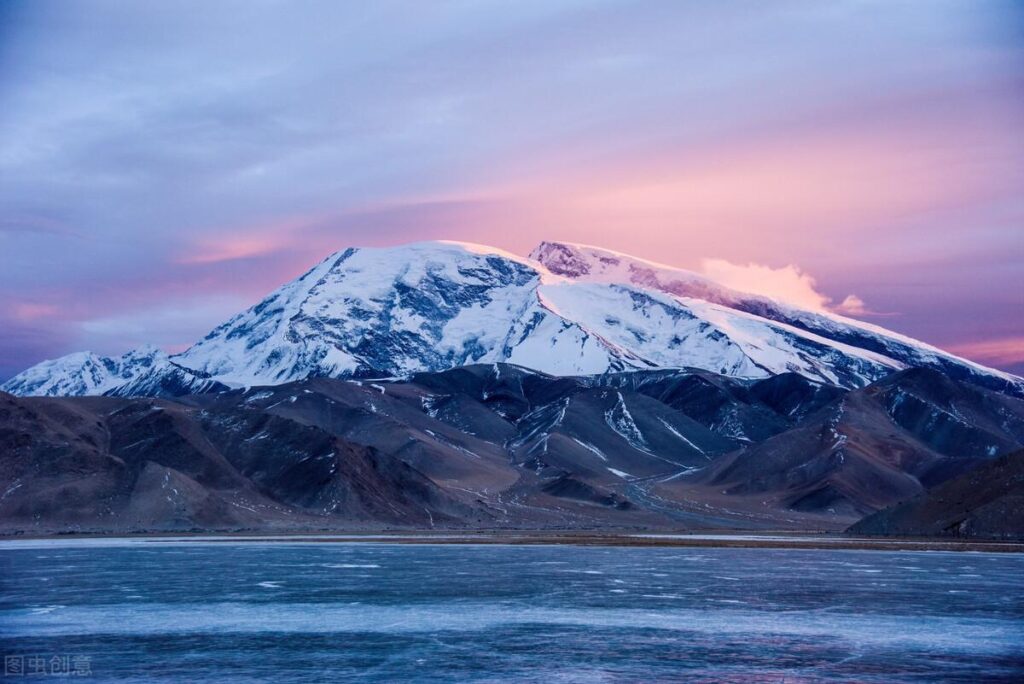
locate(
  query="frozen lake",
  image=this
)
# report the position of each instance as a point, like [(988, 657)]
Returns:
[(199, 611)]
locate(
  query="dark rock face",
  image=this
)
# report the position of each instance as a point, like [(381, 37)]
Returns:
[(498, 446), (569, 487), (561, 259), (877, 445), (98, 464), (987, 502), (745, 410)]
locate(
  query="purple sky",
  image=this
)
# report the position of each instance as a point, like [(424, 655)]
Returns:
[(164, 165)]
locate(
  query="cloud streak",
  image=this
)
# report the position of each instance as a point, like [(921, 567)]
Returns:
[(1007, 351)]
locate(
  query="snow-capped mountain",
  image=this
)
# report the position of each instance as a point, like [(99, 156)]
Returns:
[(570, 310), (585, 263), (146, 370), (430, 306)]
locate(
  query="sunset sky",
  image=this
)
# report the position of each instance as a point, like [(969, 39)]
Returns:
[(164, 165)]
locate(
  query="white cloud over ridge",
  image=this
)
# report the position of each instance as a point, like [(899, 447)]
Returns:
[(789, 284)]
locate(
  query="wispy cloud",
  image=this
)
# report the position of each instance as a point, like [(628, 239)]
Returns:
[(232, 247), (1006, 351)]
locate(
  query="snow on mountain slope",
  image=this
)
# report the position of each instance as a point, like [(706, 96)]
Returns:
[(431, 306), (599, 265), (437, 305), (587, 263), (143, 371), (425, 306), (663, 331), (75, 374)]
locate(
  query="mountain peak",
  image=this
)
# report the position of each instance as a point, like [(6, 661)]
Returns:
[(598, 264), (453, 248), (592, 255)]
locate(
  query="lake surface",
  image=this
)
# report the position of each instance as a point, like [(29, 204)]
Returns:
[(254, 612)]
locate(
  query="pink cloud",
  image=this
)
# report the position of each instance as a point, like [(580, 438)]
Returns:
[(249, 241), (852, 305), (788, 284), (1003, 351), (232, 247), (30, 311)]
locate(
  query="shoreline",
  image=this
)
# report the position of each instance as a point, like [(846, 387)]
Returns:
[(766, 540)]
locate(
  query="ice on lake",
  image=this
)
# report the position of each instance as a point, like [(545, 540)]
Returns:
[(297, 611)]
